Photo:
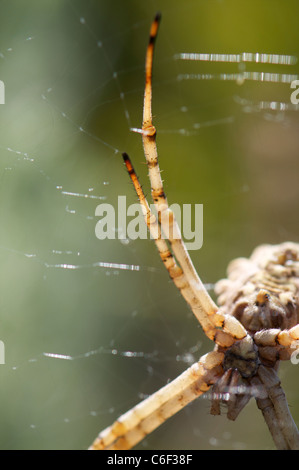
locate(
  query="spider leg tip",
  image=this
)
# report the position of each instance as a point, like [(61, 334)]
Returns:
[(158, 16)]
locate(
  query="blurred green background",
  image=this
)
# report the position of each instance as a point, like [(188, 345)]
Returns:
[(73, 73)]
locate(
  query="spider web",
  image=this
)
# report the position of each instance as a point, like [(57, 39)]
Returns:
[(91, 327)]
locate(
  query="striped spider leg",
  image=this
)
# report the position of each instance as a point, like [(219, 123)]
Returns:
[(254, 327), (204, 308)]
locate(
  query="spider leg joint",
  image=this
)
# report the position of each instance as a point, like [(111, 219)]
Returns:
[(149, 130)]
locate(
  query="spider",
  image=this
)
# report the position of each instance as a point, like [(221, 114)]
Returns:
[(254, 325)]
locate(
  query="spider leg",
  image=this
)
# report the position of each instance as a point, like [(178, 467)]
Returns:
[(141, 420), (166, 255), (168, 222), (234, 394), (271, 382), (274, 337), (153, 225), (230, 325), (239, 396), (222, 329), (219, 392), (266, 406), (275, 344)]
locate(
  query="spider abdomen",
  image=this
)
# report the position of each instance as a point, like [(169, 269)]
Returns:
[(262, 292)]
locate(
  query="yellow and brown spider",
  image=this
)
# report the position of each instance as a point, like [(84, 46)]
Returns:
[(254, 325)]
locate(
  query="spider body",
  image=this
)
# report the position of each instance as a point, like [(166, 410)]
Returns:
[(253, 326), (243, 357), (262, 292)]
